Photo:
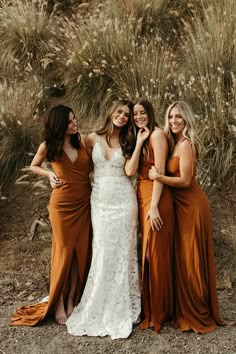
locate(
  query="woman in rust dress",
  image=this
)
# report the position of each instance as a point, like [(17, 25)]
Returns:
[(155, 216), (69, 215), (196, 304)]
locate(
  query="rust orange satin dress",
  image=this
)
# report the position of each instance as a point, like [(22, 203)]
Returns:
[(157, 280), (71, 225), (196, 303)]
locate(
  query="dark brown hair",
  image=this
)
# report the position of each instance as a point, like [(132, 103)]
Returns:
[(149, 109), (56, 121)]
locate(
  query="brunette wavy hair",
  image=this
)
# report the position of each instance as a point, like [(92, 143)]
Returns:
[(125, 138), (149, 109), (56, 121)]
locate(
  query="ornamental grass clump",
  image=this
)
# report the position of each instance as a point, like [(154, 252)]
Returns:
[(206, 79), (107, 56), (152, 18), (94, 48), (29, 39), (148, 72), (19, 131)]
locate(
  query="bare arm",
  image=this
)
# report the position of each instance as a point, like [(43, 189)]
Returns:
[(186, 163), (131, 166), (160, 148), (90, 142), (36, 166)]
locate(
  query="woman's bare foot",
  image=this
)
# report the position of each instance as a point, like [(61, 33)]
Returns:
[(60, 314), (70, 306)]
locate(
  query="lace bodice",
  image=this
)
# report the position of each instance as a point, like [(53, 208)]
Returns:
[(114, 167)]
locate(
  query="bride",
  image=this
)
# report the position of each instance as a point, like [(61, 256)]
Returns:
[(111, 300)]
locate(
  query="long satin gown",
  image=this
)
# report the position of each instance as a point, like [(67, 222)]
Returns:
[(196, 303), (69, 213), (110, 304), (157, 279)]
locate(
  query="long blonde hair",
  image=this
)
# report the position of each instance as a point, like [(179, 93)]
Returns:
[(190, 129)]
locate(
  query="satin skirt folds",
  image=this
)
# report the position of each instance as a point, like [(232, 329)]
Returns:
[(70, 217), (197, 306), (157, 257), (69, 212)]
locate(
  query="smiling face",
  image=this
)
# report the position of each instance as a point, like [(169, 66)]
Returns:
[(176, 121), (72, 125), (121, 116), (140, 116)]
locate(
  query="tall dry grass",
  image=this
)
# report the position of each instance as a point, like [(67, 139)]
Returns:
[(108, 55), (94, 48), (19, 130), (151, 18), (206, 78), (29, 40)]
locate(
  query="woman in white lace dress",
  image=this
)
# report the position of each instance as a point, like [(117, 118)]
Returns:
[(111, 300)]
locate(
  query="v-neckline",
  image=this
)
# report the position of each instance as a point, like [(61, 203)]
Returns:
[(115, 150), (69, 157)]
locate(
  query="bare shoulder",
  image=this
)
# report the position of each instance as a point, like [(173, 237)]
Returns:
[(91, 139), (157, 134), (185, 145), (42, 149), (186, 148)]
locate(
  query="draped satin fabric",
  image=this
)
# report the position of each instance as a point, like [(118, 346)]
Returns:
[(157, 280), (196, 303), (69, 213)]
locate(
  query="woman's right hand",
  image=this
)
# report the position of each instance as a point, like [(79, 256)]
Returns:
[(142, 135), (155, 219), (153, 173), (54, 180)]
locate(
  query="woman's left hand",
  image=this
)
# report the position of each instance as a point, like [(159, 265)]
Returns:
[(153, 173)]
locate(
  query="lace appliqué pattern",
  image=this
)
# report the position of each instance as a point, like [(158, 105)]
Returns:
[(111, 300)]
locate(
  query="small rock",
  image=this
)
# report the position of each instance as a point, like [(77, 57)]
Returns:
[(31, 298), (22, 293)]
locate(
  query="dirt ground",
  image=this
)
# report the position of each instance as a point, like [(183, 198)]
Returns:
[(24, 278)]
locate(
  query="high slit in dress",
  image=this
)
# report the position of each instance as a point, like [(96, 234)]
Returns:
[(69, 212), (157, 273)]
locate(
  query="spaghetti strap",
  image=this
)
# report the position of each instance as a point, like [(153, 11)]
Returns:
[(193, 158), (98, 139)]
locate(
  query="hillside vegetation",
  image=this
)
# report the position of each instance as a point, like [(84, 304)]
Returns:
[(86, 54)]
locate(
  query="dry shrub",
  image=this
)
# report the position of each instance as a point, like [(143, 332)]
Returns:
[(206, 79), (152, 18), (19, 104), (29, 40)]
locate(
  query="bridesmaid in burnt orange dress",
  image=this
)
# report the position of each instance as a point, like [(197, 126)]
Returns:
[(196, 304), (69, 214), (155, 216)]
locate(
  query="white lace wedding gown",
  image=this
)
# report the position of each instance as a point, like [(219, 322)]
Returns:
[(111, 300)]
